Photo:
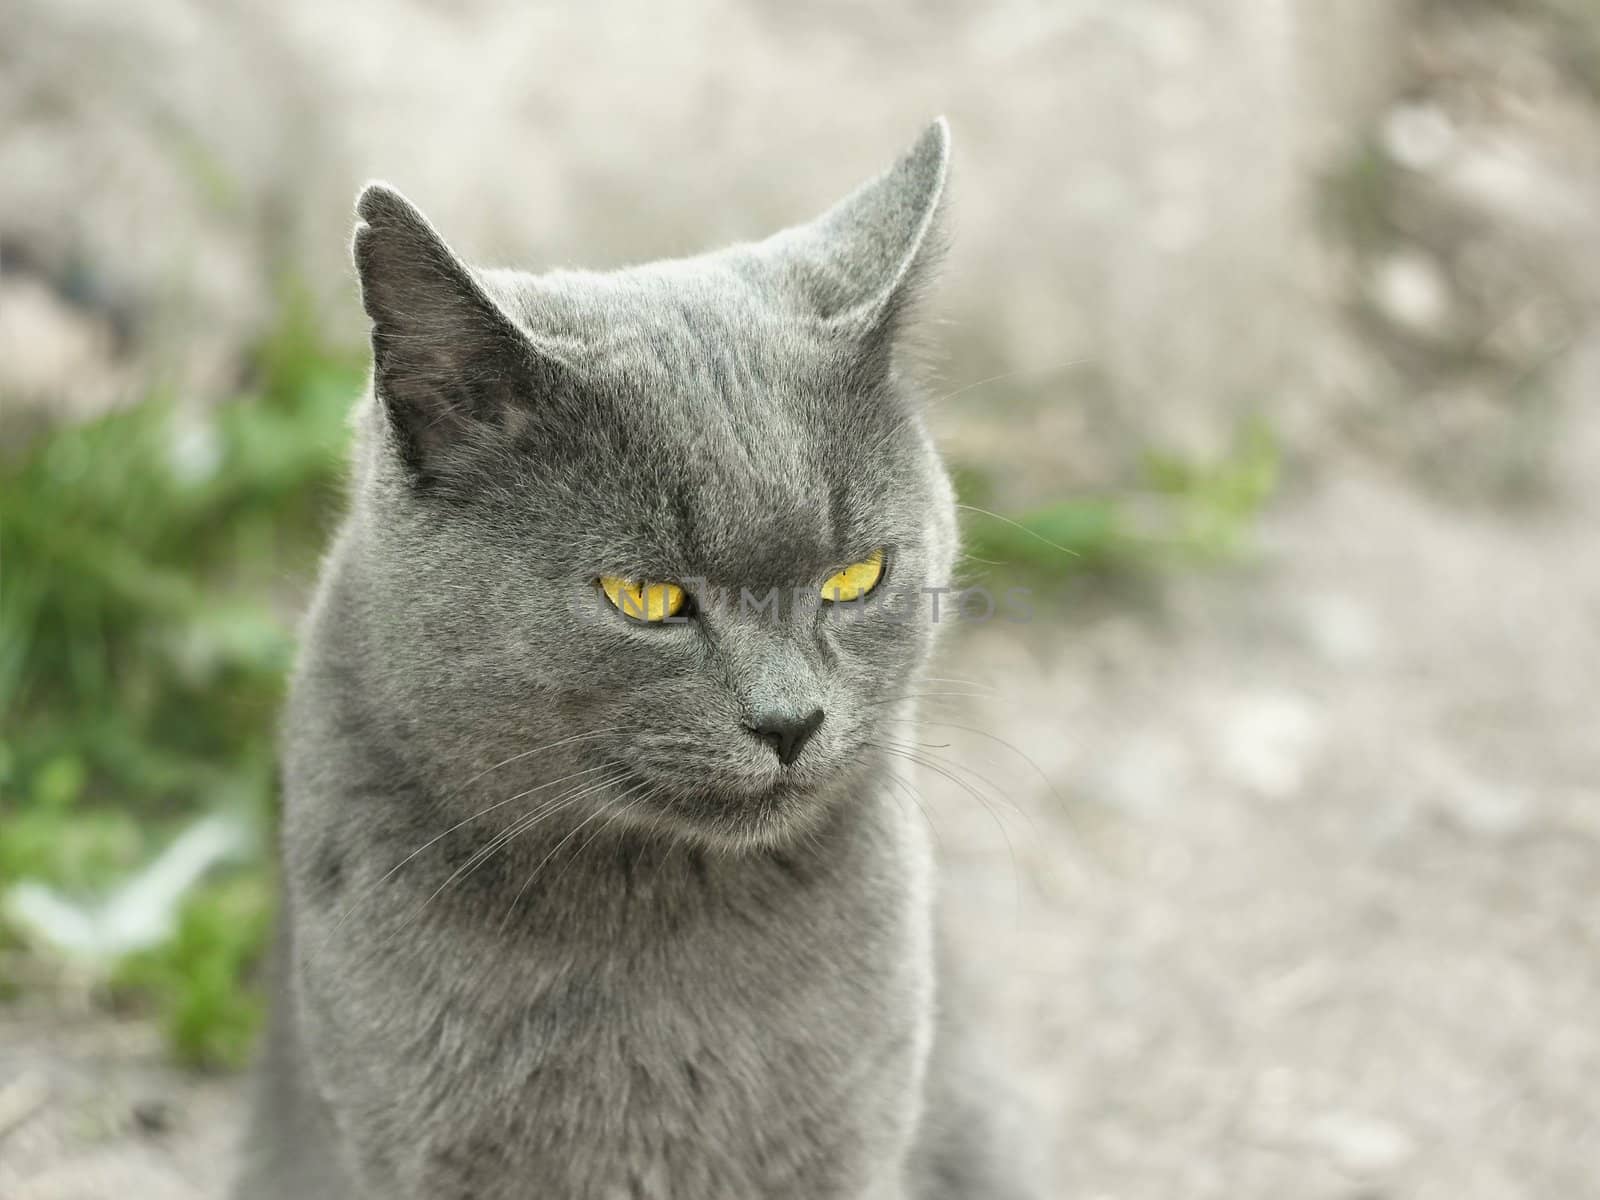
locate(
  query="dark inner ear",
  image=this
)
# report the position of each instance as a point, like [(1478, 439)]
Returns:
[(450, 368)]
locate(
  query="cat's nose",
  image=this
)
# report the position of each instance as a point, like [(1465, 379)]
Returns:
[(785, 732)]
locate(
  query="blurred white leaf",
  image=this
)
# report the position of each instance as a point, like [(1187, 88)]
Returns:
[(143, 910)]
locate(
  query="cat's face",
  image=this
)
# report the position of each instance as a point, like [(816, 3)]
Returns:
[(731, 426)]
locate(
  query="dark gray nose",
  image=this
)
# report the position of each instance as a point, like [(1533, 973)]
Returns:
[(784, 732)]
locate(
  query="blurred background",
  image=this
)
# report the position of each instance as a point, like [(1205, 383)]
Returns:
[(1275, 835)]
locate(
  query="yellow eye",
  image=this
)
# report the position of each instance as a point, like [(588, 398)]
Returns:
[(856, 580), (643, 601)]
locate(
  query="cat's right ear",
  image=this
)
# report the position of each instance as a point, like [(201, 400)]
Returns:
[(450, 368), (859, 267)]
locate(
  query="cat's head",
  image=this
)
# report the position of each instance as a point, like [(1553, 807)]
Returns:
[(738, 426)]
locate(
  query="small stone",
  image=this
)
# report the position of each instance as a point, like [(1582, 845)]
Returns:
[(1472, 802), (1146, 775), (153, 1115), (1266, 743), (1419, 136), (1410, 291), (1343, 630), (1362, 1145)]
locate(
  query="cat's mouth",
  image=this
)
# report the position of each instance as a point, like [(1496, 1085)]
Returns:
[(736, 815)]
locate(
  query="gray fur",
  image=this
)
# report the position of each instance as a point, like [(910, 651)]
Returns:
[(700, 974)]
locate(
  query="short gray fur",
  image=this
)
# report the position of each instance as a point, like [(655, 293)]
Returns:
[(705, 974)]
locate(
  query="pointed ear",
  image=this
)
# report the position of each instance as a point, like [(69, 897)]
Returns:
[(449, 367), (859, 265)]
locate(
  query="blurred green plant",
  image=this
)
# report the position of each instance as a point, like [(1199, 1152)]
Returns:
[(1185, 512), (199, 980), (140, 666)]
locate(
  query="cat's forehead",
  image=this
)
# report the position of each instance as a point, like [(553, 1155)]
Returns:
[(697, 349), (722, 433), (734, 471), (736, 518), (656, 311)]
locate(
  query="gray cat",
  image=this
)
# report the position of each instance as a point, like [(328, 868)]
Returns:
[(598, 878)]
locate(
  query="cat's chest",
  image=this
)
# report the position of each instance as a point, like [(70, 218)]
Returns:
[(719, 1088), (764, 1042), (777, 997)]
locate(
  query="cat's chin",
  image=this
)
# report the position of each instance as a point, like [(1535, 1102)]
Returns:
[(736, 819)]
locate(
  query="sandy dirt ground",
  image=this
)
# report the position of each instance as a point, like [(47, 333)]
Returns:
[(1314, 913)]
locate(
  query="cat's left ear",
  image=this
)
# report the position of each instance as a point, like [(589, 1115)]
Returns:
[(450, 367), (860, 264)]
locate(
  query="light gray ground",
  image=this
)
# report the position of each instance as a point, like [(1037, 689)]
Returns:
[(1309, 906), (1316, 914)]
